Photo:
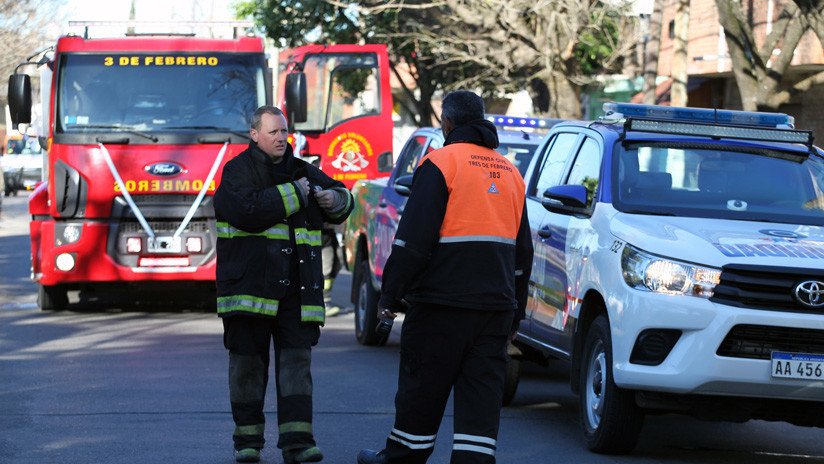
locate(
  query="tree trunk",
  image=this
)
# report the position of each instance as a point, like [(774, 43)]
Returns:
[(651, 49), (539, 93), (678, 92), (564, 101)]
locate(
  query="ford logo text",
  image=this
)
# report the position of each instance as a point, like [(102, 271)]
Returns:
[(164, 169)]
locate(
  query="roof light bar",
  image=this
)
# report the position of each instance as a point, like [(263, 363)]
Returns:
[(518, 121), (720, 131), (750, 118)]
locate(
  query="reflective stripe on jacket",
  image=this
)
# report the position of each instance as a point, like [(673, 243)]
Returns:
[(268, 235), (463, 240)]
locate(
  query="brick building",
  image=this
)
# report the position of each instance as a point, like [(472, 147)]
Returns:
[(711, 81)]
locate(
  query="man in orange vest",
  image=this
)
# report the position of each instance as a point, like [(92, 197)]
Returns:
[(461, 259)]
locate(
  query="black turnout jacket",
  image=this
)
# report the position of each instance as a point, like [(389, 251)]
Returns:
[(269, 238), (463, 240)]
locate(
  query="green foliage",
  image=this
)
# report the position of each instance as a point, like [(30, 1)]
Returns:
[(290, 22), (596, 44)]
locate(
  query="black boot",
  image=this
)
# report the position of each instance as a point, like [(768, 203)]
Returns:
[(371, 457), (295, 456)]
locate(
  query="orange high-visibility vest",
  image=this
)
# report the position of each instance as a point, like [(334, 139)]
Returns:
[(486, 194)]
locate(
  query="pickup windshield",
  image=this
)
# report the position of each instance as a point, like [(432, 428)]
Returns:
[(155, 92), (720, 182)]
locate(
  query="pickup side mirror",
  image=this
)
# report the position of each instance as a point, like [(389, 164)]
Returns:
[(566, 199), (295, 93), (385, 162), (403, 184), (20, 99)]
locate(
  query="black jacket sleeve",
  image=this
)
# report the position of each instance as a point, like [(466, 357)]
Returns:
[(523, 267), (249, 208), (317, 178), (418, 234), (345, 203)]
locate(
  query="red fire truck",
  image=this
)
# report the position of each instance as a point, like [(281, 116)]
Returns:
[(347, 130), (139, 128)]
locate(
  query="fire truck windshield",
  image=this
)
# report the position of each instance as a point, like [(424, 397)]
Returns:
[(339, 87), (160, 92)]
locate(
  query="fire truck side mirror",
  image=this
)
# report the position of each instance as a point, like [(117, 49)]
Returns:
[(20, 99), (296, 97)]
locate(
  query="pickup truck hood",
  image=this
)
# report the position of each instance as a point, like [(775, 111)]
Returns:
[(715, 242)]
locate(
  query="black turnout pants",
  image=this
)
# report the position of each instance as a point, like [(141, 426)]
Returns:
[(444, 348), (248, 339)]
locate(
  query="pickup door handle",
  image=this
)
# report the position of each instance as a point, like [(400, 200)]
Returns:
[(545, 232)]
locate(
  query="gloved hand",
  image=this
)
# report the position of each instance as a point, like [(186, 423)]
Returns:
[(326, 199), (303, 188), (385, 320)]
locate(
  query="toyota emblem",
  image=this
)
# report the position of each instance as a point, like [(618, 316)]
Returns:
[(810, 293)]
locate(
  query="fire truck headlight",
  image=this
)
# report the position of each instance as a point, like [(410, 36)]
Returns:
[(66, 233), (71, 233), (64, 262), (133, 245), (194, 244)]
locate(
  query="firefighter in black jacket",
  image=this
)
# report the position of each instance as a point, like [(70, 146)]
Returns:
[(461, 258), (270, 208)]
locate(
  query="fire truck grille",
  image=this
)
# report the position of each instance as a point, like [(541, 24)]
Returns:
[(172, 199), (758, 341), (766, 288), (164, 227)]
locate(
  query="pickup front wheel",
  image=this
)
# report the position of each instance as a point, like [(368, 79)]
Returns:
[(366, 309), (610, 418)]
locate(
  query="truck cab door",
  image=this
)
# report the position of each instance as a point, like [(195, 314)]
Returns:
[(556, 320), (548, 282)]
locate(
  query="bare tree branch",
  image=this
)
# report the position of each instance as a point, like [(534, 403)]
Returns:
[(801, 86)]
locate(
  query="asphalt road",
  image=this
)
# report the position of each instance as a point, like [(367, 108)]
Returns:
[(148, 385)]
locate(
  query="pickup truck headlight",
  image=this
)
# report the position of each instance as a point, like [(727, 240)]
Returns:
[(644, 271)]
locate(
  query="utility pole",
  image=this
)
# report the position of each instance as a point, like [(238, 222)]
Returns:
[(678, 93), (651, 50), (132, 17)]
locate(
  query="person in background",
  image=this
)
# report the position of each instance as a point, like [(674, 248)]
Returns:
[(331, 266)]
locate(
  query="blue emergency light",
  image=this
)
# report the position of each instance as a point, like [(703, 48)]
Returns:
[(742, 125), (706, 115), (517, 121)]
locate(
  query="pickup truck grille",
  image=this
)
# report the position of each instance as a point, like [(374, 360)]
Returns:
[(762, 287), (758, 341)]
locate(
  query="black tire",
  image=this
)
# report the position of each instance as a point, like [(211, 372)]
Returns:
[(610, 418), (366, 309), (513, 376), (52, 297)]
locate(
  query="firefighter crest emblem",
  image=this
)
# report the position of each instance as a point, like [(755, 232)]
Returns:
[(350, 153), (350, 158)]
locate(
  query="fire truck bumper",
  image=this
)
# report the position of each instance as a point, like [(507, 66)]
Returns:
[(89, 252)]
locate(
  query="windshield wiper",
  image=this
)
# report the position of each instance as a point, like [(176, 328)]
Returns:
[(650, 213), (119, 127), (214, 128)]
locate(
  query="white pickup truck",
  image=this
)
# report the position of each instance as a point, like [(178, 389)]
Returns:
[(679, 266)]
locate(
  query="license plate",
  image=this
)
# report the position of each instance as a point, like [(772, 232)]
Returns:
[(164, 245), (797, 365)]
